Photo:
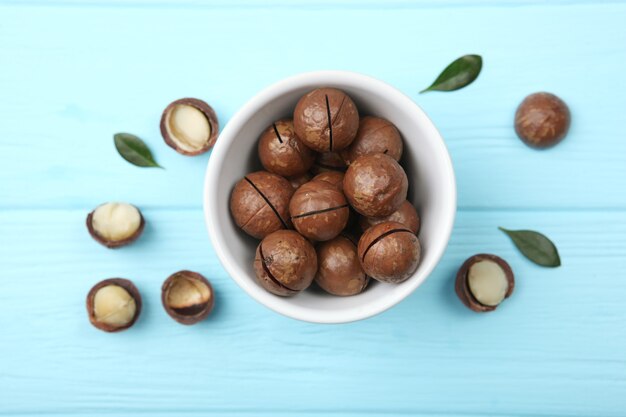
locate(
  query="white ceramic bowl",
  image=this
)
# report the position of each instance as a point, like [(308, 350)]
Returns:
[(426, 160)]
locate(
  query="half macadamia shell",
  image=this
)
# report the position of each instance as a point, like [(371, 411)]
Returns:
[(187, 297)]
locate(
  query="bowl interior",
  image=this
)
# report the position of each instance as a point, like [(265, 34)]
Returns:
[(425, 160)]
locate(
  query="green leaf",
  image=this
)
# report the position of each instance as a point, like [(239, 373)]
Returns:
[(458, 74), (535, 246), (134, 150)]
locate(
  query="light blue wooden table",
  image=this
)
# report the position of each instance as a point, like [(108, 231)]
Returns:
[(73, 72)]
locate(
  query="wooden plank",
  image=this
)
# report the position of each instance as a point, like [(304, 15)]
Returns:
[(556, 348), (300, 4), (73, 76)]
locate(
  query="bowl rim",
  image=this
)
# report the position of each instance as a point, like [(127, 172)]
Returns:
[(216, 161)]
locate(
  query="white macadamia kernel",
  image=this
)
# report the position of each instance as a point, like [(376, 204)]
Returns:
[(487, 282), (188, 127), (116, 221), (114, 306), (186, 292)]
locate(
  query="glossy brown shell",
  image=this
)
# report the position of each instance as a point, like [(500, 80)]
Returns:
[(319, 210), (298, 180), (332, 177), (339, 270), (282, 152), (542, 120), (113, 244), (326, 119), (208, 112), (328, 161), (375, 185), (191, 314), (461, 285), (285, 263), (406, 215), (389, 252), (375, 135), (259, 203), (120, 282)]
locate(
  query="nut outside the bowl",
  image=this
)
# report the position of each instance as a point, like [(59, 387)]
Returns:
[(187, 297), (107, 323), (193, 113), (112, 220)]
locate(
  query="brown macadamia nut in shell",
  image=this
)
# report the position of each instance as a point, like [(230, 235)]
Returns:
[(389, 252), (328, 161), (113, 305), (187, 297), (189, 126), (319, 210), (333, 177), (326, 119), (406, 215), (298, 180), (483, 282), (259, 203), (375, 135), (375, 185), (339, 270), (282, 152), (285, 263), (542, 120)]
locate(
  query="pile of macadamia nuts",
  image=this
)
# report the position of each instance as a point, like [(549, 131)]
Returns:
[(331, 205)]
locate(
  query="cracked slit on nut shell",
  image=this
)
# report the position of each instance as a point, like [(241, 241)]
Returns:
[(322, 211), (381, 237), (269, 273), (330, 124), (267, 201), (277, 133)]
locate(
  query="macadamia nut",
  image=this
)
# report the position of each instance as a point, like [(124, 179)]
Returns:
[(487, 282), (285, 263), (115, 224), (326, 119), (189, 126), (542, 120), (114, 306), (282, 152), (375, 135), (319, 210), (339, 270), (375, 185), (483, 282), (389, 252), (259, 203), (116, 221)]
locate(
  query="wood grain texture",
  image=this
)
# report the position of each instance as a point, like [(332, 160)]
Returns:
[(74, 73), (556, 347)]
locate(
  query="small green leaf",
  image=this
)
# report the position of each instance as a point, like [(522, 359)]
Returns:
[(535, 246), (134, 150), (458, 74)]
